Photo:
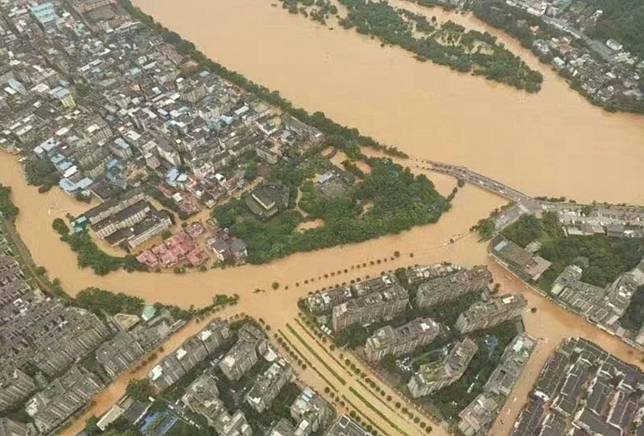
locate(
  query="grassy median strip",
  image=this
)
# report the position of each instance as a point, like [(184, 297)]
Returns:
[(376, 411), (326, 380), (314, 353), (308, 332), (366, 418), (378, 397)]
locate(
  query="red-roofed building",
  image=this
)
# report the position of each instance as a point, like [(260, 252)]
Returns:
[(148, 259)]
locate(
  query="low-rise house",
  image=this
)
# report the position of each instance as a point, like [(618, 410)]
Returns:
[(15, 387), (9, 427)]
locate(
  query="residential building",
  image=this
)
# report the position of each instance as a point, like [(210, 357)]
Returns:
[(233, 425), (517, 259), (268, 385), (15, 387), (311, 412), (513, 360), (323, 302), (402, 340), (487, 314), (434, 376), (583, 390), (239, 359), (9, 427), (166, 373), (479, 414), (202, 397), (415, 275), (268, 200), (215, 335), (372, 307), (62, 398), (376, 284), (449, 287), (51, 336), (283, 427), (112, 207), (119, 353), (191, 353)]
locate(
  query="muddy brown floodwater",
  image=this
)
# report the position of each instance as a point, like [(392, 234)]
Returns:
[(552, 143)]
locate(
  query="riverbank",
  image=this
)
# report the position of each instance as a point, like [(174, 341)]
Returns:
[(544, 144), (299, 273)]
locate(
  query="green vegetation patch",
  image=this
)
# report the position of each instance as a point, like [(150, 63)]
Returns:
[(104, 302), (7, 208), (448, 44), (42, 173), (633, 318), (91, 256), (602, 258), (622, 20), (388, 201)]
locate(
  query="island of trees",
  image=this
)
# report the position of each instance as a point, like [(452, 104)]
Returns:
[(447, 43)]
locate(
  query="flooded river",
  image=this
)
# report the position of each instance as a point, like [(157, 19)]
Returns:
[(551, 143), (428, 243)]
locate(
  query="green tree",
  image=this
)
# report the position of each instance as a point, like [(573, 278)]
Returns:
[(139, 389), (60, 227)]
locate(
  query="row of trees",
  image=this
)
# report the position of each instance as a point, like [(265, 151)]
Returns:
[(91, 256)]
